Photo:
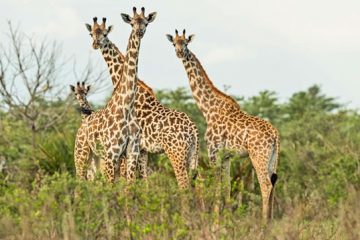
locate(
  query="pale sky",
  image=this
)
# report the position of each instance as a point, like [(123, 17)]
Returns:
[(279, 45)]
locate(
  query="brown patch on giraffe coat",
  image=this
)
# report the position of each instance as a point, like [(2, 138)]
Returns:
[(116, 67)]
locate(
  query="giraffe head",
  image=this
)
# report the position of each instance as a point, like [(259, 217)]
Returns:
[(180, 43), (81, 90), (139, 22), (99, 32)]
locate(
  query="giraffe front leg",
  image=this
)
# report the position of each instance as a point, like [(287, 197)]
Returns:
[(213, 147), (133, 151), (122, 166), (219, 156), (221, 162), (110, 161), (91, 172), (142, 163)]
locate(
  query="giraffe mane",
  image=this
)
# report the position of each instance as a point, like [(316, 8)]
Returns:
[(85, 111), (219, 93), (146, 87)]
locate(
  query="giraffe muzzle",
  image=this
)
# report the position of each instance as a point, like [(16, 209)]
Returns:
[(140, 33), (179, 54), (96, 45)]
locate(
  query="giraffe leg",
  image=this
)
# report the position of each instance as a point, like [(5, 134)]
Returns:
[(112, 155), (225, 174), (178, 161), (122, 166), (143, 161), (266, 189), (213, 150), (142, 165), (110, 161), (260, 163), (132, 151), (218, 156), (82, 153), (91, 172)]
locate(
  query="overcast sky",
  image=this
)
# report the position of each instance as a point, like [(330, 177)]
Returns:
[(279, 45)]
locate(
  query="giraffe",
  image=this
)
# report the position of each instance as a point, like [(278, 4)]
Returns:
[(230, 128), (113, 130), (164, 130), (80, 91)]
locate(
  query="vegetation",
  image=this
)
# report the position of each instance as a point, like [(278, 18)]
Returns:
[(316, 194)]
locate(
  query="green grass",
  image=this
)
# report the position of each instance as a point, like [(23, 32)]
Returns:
[(62, 207)]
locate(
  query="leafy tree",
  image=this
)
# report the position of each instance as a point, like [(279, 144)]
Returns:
[(310, 101)]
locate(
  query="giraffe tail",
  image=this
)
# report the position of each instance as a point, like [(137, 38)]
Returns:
[(194, 154), (272, 171)]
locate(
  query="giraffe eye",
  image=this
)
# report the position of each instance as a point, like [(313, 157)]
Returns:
[(146, 24), (90, 34), (105, 35), (174, 44)]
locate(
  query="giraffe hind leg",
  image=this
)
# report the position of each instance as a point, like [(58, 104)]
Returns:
[(267, 178), (179, 163)]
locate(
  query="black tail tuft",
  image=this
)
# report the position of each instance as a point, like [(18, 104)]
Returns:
[(195, 175), (273, 178)]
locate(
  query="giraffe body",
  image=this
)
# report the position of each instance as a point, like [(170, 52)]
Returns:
[(81, 91), (230, 128), (168, 131)]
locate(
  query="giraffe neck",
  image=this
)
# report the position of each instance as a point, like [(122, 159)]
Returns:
[(123, 96), (85, 107), (204, 92), (114, 60), (111, 47)]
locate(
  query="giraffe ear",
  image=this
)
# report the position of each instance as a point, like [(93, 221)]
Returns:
[(88, 27), (126, 18), (170, 38), (72, 88), (190, 38), (110, 28), (151, 17)]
